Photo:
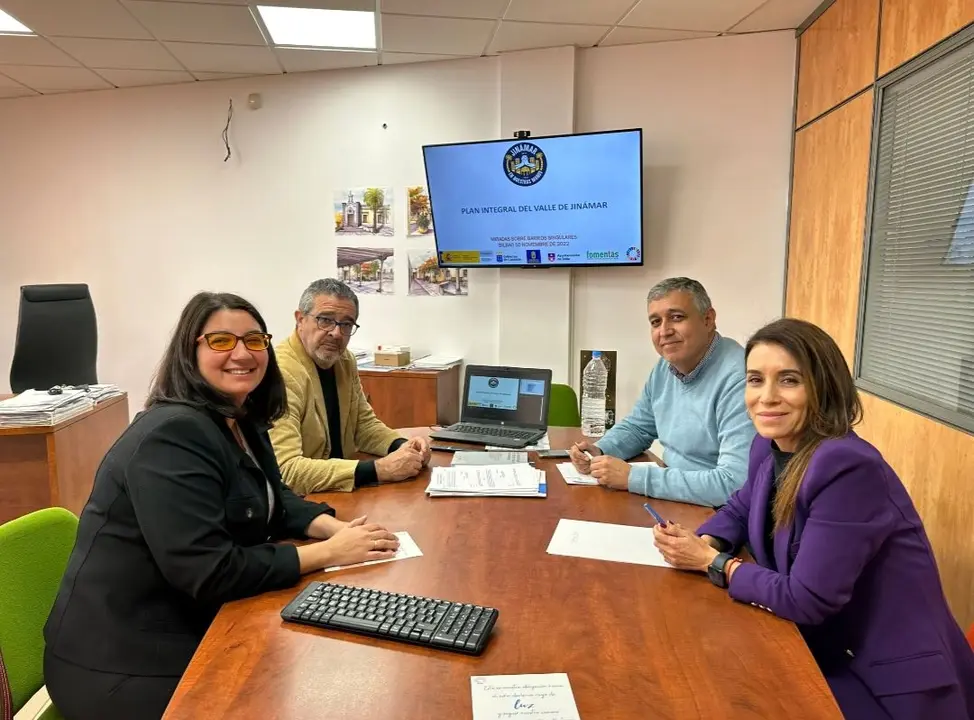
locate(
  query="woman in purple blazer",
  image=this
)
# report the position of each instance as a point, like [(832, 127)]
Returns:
[(838, 546)]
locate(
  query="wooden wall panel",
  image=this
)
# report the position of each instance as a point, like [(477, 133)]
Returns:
[(936, 463), (837, 57), (912, 26), (828, 209)]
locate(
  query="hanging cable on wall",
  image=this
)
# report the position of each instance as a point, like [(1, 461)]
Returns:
[(226, 131)]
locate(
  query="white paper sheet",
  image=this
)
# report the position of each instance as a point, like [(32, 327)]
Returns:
[(485, 480), (573, 477), (496, 457), (606, 541), (500, 697), (407, 549)]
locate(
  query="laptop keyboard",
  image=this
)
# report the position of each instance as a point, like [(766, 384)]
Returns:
[(491, 430)]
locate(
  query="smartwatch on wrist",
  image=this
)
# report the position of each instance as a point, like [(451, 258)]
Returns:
[(716, 570)]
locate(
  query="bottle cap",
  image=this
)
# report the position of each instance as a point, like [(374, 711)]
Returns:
[(596, 353)]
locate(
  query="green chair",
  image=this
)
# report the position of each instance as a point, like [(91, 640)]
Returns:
[(34, 551), (563, 407)]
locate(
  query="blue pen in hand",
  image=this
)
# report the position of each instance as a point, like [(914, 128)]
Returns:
[(656, 515)]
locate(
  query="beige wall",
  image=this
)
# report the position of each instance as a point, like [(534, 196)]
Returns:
[(840, 57)]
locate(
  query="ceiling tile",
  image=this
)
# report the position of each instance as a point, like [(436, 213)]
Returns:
[(31, 50), (490, 9), (360, 5), (579, 12), (239, 59), (525, 36), (395, 58), (635, 36), (123, 54), (690, 14), (15, 91), (401, 33), (138, 78), (55, 79), (191, 22), (777, 15), (220, 76), (77, 18), (300, 60)]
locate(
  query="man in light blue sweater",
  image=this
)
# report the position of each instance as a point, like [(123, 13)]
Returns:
[(693, 403)]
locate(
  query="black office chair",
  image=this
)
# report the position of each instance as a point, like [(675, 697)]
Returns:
[(57, 338)]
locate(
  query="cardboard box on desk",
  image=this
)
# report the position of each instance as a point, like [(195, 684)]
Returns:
[(392, 356)]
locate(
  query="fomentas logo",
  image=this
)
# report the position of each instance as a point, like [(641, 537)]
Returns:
[(525, 163), (602, 255), (633, 254)]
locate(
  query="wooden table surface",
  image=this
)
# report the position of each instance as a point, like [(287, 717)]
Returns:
[(636, 641)]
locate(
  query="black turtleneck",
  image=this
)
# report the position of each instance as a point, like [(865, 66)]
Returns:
[(365, 473), (781, 459)]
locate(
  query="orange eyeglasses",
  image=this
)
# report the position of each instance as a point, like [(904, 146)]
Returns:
[(227, 341)]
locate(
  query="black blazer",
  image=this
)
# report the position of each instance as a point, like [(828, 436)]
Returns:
[(176, 525)]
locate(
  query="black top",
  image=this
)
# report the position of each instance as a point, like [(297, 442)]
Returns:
[(176, 525), (781, 459), (365, 473)]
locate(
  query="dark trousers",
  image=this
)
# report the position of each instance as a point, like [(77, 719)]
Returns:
[(82, 694)]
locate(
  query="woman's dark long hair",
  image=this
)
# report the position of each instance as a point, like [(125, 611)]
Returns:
[(833, 406), (178, 378)]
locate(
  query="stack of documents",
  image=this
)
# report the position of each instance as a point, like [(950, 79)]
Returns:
[(499, 457), (437, 362), (487, 480), (41, 408)]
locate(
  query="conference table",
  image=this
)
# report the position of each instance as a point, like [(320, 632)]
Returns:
[(636, 641)]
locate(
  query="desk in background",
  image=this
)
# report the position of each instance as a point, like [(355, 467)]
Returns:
[(55, 465), (635, 641), (414, 398)]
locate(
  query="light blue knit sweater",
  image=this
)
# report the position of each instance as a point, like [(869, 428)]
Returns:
[(701, 421)]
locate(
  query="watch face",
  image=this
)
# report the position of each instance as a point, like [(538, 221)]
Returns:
[(716, 570)]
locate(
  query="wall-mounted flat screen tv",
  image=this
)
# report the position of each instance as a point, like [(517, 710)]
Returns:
[(556, 201)]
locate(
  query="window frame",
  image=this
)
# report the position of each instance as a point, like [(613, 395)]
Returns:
[(931, 410)]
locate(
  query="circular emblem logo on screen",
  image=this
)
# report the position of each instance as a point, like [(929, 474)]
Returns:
[(493, 382), (633, 254), (525, 164)]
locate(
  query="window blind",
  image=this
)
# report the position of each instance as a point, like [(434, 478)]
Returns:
[(917, 329)]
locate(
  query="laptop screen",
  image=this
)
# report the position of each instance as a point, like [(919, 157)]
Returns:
[(512, 396)]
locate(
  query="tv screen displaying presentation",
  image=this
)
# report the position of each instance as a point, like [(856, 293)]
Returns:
[(534, 202)]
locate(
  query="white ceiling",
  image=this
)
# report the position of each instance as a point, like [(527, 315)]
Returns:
[(98, 44)]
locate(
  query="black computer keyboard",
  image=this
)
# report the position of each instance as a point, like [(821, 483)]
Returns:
[(492, 430), (394, 616)]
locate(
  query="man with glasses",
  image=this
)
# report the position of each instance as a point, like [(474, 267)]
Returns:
[(329, 418)]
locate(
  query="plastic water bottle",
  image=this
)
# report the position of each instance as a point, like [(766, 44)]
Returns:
[(595, 381)]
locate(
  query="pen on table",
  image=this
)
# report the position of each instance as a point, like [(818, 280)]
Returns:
[(656, 515)]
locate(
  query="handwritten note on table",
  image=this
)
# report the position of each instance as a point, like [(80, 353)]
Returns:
[(573, 477), (499, 697), (407, 549)]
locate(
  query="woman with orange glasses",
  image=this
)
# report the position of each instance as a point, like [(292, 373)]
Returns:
[(186, 513)]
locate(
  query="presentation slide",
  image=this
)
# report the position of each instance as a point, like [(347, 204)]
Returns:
[(572, 200), (497, 393)]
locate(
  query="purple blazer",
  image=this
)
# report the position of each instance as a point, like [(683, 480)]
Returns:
[(856, 573)]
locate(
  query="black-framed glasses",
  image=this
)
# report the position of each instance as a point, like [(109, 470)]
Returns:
[(227, 341), (328, 324)]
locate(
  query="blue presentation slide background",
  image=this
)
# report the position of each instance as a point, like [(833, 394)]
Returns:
[(596, 168), (501, 397)]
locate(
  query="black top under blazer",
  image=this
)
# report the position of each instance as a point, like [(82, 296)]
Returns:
[(176, 525)]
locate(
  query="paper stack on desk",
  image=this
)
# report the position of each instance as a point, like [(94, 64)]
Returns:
[(497, 457), (487, 480), (437, 362), (33, 408)]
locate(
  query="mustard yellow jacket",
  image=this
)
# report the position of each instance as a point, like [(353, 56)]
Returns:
[(300, 438)]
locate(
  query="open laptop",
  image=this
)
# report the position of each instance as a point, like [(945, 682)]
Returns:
[(503, 406)]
